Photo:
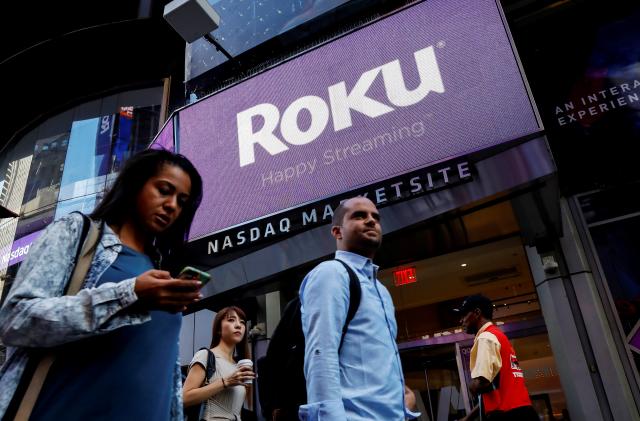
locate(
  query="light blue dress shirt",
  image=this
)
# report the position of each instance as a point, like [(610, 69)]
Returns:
[(365, 382)]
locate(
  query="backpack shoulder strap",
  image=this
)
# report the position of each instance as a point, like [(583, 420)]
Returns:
[(86, 223), (210, 369), (355, 294), (87, 244), (89, 237)]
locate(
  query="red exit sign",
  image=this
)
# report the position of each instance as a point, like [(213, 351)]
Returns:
[(404, 276)]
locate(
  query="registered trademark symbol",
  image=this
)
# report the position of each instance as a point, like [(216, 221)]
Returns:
[(441, 44)]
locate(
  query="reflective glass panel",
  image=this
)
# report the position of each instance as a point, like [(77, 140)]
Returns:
[(245, 24)]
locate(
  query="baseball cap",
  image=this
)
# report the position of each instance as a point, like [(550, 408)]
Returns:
[(475, 301)]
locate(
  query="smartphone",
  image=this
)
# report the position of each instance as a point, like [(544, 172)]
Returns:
[(194, 273)]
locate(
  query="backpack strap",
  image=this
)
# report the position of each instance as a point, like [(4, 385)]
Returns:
[(89, 238), (87, 244), (355, 294), (210, 369), (86, 223)]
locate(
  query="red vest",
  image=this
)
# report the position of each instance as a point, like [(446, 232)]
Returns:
[(511, 392)]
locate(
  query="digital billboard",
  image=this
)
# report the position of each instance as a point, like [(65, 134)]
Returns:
[(429, 83)]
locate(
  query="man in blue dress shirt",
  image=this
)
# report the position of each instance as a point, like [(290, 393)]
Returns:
[(364, 381)]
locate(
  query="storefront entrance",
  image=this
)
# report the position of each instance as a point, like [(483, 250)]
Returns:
[(477, 251), (428, 269), (439, 375)]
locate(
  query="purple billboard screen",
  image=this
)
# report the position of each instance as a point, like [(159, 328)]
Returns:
[(432, 82)]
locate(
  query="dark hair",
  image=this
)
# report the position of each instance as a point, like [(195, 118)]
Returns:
[(338, 214), (242, 348), (117, 204)]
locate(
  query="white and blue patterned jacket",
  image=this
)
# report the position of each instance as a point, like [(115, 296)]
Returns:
[(36, 314)]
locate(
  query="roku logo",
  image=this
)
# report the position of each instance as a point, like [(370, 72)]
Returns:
[(339, 108)]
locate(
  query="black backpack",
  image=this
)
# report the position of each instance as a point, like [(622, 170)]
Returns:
[(196, 412), (281, 382)]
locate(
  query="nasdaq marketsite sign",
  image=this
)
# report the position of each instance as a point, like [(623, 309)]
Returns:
[(206, 250), (433, 82)]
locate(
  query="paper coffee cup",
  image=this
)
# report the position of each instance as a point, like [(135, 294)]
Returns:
[(248, 363)]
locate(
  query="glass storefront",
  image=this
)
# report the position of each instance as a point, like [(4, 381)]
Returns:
[(588, 98), (67, 162), (249, 24), (428, 269), (474, 250), (612, 219)]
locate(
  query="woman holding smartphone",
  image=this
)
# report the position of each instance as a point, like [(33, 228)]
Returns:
[(225, 392), (116, 341)]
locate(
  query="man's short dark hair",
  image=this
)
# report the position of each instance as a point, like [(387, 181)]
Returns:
[(338, 214)]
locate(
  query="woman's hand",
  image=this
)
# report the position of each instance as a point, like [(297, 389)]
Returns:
[(157, 290), (239, 376)]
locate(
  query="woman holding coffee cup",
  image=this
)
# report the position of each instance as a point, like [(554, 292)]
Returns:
[(225, 392)]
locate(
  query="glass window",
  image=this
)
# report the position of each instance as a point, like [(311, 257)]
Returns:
[(587, 96), (85, 166), (499, 270), (477, 249), (612, 218), (246, 24), (13, 188), (616, 243), (541, 376), (433, 376), (66, 163)]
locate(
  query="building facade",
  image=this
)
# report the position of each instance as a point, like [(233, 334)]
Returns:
[(496, 138)]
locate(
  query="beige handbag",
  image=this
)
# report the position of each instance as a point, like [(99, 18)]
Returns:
[(80, 271)]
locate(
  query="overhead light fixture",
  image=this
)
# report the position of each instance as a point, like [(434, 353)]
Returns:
[(191, 18), (194, 19), (464, 265)]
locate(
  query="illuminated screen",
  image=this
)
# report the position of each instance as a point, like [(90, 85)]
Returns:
[(429, 83)]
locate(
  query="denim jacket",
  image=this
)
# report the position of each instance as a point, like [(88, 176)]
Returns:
[(36, 314)]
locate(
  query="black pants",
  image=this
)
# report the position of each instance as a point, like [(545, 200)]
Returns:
[(523, 413)]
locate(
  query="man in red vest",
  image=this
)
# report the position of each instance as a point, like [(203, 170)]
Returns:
[(495, 372)]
